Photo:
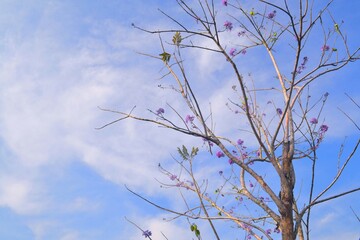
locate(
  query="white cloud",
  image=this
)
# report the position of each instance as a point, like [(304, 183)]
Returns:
[(49, 97), (51, 111), (71, 235), (81, 204), (21, 194), (41, 228)]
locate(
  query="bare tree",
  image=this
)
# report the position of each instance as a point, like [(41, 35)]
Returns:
[(293, 132)]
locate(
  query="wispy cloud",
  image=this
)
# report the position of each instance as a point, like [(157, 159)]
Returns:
[(54, 75)]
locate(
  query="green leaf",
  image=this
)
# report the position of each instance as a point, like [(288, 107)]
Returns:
[(165, 57), (177, 38), (183, 152), (193, 227), (336, 26), (197, 233), (194, 151)]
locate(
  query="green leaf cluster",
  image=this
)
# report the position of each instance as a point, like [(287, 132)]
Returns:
[(194, 228), (184, 153), (177, 38), (165, 57)]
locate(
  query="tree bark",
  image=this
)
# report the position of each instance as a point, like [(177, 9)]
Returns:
[(287, 198)]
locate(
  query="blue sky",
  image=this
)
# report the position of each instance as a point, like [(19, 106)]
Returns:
[(62, 179)]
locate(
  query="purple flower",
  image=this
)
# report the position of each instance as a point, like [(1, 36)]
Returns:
[(326, 94), (325, 48), (173, 177), (258, 153), (190, 182), (232, 52), (272, 14), (279, 111), (210, 143), (147, 233), (180, 184), (323, 128), (251, 184), (160, 111), (242, 33), (276, 230), (268, 231), (230, 161), (240, 142), (220, 172), (220, 154), (302, 65), (228, 25), (243, 52), (189, 118), (313, 121), (224, 2)]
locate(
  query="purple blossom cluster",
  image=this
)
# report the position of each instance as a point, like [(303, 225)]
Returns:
[(228, 25), (325, 48), (220, 154), (189, 119), (321, 134), (187, 184), (302, 65), (243, 154), (232, 52), (208, 142), (240, 142), (242, 33), (271, 15), (313, 121), (147, 234), (262, 199), (323, 128), (160, 111)]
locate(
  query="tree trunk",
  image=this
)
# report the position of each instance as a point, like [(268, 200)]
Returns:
[(287, 198), (287, 223)]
